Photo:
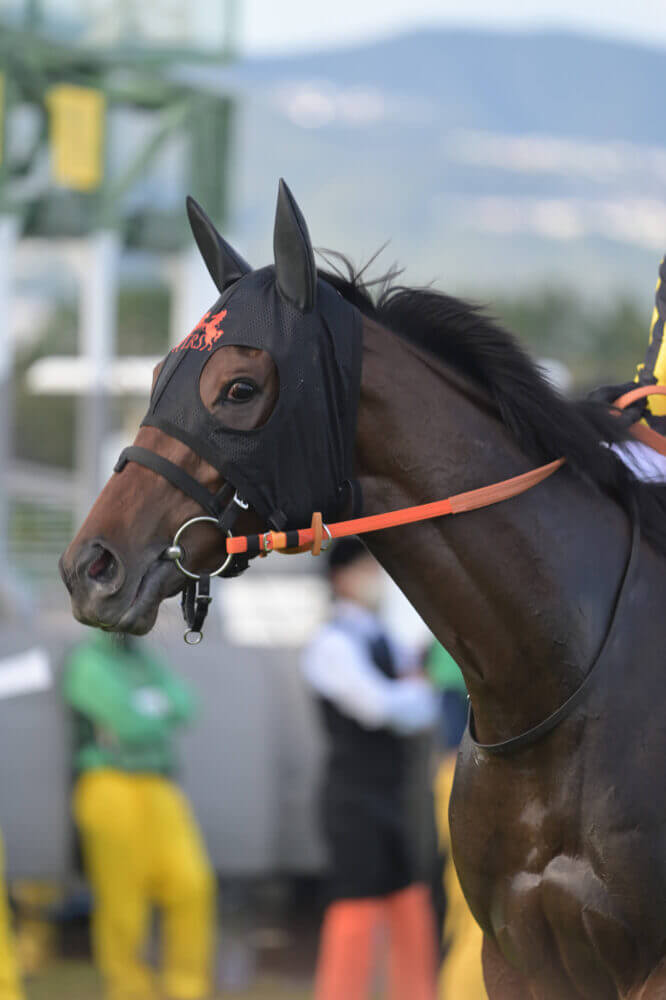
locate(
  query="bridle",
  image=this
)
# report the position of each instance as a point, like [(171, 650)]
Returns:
[(222, 510), (224, 507)]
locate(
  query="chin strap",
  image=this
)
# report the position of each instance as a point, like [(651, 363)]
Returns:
[(195, 602)]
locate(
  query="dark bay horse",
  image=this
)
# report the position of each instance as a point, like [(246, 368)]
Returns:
[(560, 845)]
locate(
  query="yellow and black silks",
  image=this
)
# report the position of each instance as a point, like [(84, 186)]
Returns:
[(652, 371)]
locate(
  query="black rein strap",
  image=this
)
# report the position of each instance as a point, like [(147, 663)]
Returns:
[(213, 503), (536, 733)]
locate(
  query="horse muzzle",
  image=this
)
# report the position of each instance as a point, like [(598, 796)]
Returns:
[(106, 593)]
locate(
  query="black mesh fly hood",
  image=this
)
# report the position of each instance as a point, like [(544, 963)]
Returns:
[(300, 460)]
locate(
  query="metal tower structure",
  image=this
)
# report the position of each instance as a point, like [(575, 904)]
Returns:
[(99, 140)]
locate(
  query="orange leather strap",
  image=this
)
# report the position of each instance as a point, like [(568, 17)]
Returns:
[(640, 392), (649, 437), (311, 538), (472, 500), (640, 430)]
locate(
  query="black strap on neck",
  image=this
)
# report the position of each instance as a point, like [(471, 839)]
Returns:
[(213, 503), (536, 733)]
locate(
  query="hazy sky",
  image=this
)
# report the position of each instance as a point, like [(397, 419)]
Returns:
[(294, 24)]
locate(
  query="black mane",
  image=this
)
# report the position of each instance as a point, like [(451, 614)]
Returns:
[(543, 423)]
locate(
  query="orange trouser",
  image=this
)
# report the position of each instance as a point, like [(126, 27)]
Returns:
[(10, 988), (141, 848), (348, 947)]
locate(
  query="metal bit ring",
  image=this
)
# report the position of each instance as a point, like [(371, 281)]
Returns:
[(175, 553)]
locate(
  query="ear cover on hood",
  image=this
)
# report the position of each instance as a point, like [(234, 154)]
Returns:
[(224, 265), (294, 258)]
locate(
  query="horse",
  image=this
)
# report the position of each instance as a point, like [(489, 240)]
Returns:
[(559, 839)]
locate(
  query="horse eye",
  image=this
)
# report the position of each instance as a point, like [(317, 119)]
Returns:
[(239, 392)]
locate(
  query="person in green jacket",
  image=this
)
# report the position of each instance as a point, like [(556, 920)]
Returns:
[(141, 844)]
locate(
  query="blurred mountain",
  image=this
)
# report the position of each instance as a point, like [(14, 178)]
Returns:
[(568, 85), (491, 160)]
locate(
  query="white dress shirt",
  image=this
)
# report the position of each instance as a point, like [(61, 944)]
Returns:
[(338, 666)]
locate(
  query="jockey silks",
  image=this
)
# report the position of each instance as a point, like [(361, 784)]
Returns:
[(652, 371)]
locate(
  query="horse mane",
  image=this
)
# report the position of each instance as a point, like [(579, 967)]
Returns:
[(544, 424)]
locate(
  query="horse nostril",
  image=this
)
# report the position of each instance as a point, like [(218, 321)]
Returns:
[(104, 567)]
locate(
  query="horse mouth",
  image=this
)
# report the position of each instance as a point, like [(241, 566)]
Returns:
[(160, 581), (156, 584)]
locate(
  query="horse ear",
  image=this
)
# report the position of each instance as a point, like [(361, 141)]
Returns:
[(294, 259), (224, 264)]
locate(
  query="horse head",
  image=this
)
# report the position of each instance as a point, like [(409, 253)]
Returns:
[(257, 402)]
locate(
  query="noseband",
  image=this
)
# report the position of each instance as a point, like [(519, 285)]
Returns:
[(222, 510)]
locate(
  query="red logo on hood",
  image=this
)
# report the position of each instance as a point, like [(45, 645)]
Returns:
[(205, 334)]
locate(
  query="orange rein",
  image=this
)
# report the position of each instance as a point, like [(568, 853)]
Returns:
[(639, 430), (306, 539)]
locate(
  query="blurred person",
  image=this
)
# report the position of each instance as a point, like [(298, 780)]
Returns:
[(10, 987), (370, 708), (141, 845), (461, 973), (646, 463)]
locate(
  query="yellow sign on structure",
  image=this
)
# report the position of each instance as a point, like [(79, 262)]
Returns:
[(77, 136)]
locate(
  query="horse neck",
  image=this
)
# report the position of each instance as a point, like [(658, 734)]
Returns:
[(519, 593)]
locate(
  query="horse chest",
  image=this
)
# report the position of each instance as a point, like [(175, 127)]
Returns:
[(553, 924), (559, 910)]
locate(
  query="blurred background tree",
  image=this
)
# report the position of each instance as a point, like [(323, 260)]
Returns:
[(597, 343)]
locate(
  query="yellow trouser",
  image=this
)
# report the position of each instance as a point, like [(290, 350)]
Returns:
[(141, 847), (461, 974), (9, 981)]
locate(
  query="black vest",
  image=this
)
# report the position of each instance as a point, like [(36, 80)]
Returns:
[(358, 757), (363, 801)]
